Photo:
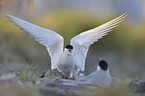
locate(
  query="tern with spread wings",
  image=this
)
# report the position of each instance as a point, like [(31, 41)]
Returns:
[(72, 59)]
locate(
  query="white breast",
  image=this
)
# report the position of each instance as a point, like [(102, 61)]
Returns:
[(101, 78), (66, 65)]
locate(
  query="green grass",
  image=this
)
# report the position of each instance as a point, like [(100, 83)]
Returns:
[(27, 74)]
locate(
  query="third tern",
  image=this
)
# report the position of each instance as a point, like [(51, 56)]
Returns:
[(72, 59)]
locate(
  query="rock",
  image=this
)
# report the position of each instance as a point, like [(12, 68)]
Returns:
[(44, 81), (137, 85), (134, 85), (48, 91), (52, 75), (7, 76), (60, 85), (53, 88), (137, 94), (70, 87)]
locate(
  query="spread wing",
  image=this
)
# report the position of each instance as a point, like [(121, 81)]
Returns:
[(82, 42), (50, 39)]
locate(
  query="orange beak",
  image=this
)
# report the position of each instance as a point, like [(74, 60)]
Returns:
[(69, 50)]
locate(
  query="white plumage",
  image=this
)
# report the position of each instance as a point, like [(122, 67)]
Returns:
[(55, 43), (100, 77)]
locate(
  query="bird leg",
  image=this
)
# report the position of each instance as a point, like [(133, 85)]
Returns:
[(71, 78), (63, 76), (71, 75)]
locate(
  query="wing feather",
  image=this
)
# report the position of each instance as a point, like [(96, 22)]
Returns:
[(82, 42), (50, 39)]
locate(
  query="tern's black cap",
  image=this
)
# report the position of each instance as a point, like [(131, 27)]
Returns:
[(69, 47), (103, 65)]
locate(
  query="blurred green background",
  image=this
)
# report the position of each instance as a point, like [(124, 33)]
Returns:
[(123, 48)]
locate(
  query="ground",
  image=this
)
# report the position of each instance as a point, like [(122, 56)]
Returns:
[(26, 80)]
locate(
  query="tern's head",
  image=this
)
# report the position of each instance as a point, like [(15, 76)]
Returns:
[(69, 48), (103, 65)]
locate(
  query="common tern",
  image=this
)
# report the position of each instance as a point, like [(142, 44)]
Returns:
[(100, 77), (72, 59)]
